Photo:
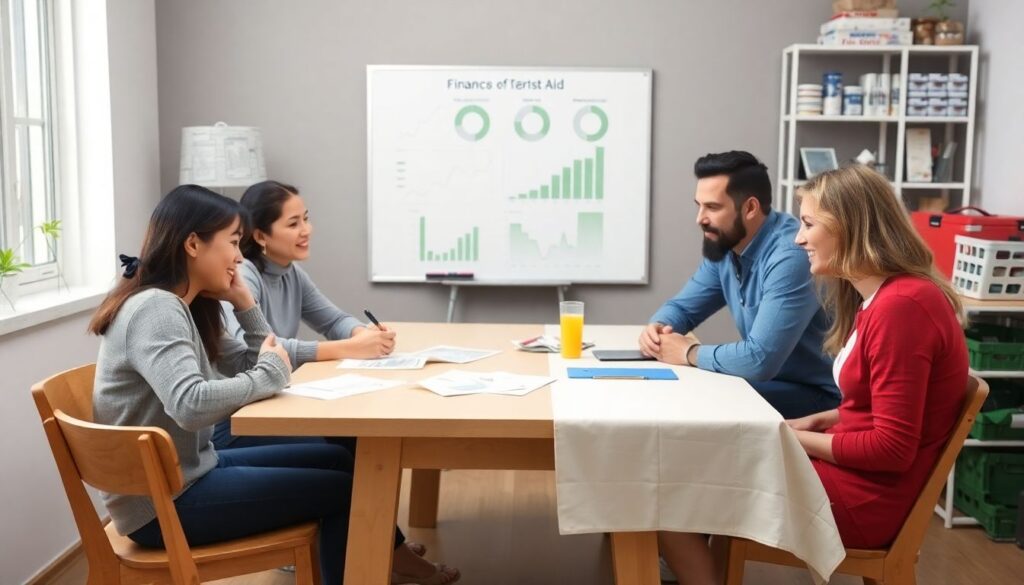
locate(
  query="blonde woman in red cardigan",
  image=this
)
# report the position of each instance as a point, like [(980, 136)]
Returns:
[(901, 363)]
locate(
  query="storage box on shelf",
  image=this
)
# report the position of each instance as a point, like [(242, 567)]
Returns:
[(990, 431), (939, 230), (895, 63), (999, 522), (1004, 424), (994, 476), (989, 270)]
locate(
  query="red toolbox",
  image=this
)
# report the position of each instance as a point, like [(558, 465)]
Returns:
[(939, 229)]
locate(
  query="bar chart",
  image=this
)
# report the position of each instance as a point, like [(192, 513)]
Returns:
[(466, 248), (583, 179)]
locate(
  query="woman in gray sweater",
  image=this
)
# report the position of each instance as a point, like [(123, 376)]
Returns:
[(166, 361), (277, 238)]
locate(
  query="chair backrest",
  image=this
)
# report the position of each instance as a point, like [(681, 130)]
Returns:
[(70, 391), (908, 541), (122, 460)]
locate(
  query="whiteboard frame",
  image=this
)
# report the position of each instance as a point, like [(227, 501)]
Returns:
[(644, 278)]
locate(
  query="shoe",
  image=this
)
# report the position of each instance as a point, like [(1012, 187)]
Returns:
[(667, 576), (443, 575), (416, 548)]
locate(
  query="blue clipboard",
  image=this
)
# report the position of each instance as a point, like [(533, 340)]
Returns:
[(622, 373)]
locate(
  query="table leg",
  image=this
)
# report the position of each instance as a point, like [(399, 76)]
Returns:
[(423, 495), (635, 558), (378, 475)]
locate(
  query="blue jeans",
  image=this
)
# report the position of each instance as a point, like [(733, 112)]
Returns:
[(794, 400), (257, 489), (223, 439)]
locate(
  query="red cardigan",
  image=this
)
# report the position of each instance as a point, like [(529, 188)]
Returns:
[(903, 387)]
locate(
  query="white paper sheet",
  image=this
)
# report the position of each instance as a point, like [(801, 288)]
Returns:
[(403, 362), (453, 355), (459, 383), (340, 387)]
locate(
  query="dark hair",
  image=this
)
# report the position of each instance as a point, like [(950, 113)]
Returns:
[(748, 177), (162, 262), (262, 203)]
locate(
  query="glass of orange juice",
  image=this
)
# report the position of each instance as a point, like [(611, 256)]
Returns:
[(571, 317)]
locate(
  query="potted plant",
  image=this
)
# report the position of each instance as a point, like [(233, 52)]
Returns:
[(10, 267), (51, 232), (947, 32)]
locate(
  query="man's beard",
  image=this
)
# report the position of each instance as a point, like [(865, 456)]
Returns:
[(715, 250)]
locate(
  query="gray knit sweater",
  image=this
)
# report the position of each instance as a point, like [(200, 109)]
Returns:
[(152, 370), (287, 296)]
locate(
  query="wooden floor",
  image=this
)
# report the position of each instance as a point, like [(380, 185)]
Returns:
[(499, 528)]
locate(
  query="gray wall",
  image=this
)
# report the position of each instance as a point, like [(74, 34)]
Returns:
[(999, 179), (36, 523), (297, 69)]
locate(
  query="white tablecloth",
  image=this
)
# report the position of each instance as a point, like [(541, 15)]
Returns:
[(704, 454)]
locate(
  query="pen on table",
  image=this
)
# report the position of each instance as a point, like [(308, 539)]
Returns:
[(530, 340), (374, 320)]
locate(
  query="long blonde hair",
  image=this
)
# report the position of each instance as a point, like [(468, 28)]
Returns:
[(859, 207)]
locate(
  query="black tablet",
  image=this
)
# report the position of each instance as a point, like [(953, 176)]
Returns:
[(620, 355)]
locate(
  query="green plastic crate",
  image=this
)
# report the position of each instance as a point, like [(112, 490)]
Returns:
[(995, 347), (1003, 393), (995, 476), (999, 522), (996, 425)]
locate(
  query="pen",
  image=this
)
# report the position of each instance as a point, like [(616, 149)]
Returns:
[(374, 320)]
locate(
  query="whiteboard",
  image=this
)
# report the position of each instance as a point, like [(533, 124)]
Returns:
[(512, 174)]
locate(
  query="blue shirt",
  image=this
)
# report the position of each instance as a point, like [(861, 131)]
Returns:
[(771, 296)]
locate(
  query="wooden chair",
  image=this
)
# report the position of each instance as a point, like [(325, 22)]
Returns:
[(894, 565), (142, 461)]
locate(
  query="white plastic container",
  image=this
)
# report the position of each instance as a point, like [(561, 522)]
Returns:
[(989, 269), (853, 101)]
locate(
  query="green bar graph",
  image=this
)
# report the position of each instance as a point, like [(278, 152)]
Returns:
[(423, 238), (467, 247), (577, 179), (588, 179), (583, 179)]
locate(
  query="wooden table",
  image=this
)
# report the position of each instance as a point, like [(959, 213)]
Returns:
[(412, 428)]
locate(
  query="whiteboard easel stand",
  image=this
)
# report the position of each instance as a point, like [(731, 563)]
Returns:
[(560, 286)]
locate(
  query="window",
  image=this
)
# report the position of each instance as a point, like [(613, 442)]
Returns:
[(28, 181)]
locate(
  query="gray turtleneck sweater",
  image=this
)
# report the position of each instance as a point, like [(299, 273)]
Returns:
[(288, 297)]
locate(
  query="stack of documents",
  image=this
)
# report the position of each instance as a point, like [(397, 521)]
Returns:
[(414, 361), (460, 383), (544, 344), (340, 387)]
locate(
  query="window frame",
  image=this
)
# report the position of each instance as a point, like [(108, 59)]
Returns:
[(42, 276)]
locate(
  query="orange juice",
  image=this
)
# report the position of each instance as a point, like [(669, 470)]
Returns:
[(572, 335)]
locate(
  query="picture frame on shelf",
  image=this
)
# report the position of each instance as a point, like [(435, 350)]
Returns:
[(818, 160)]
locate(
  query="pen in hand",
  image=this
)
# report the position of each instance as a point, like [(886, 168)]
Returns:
[(374, 320)]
